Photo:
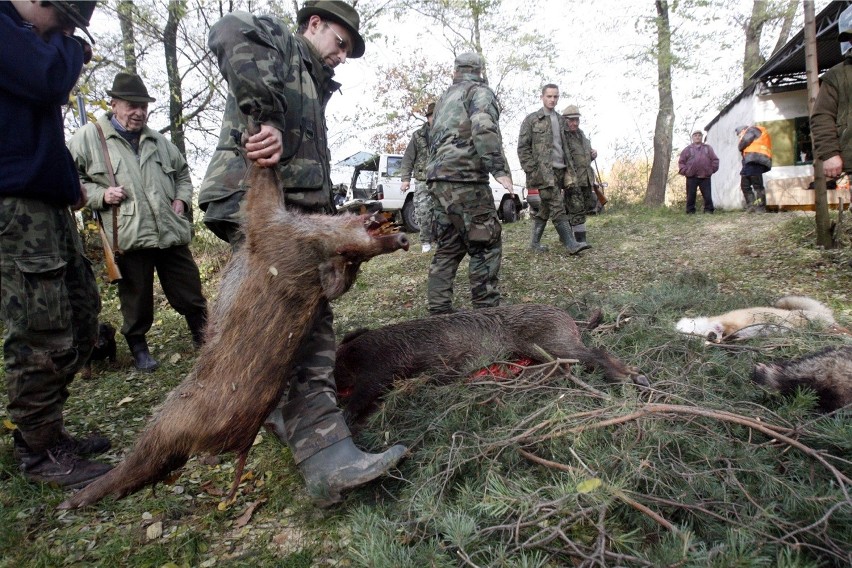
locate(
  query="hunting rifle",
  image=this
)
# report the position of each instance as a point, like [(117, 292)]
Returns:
[(598, 186), (113, 272)]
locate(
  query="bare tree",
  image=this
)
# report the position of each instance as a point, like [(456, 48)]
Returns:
[(658, 180), (128, 41), (763, 13)]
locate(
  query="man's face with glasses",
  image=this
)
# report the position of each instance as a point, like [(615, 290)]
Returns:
[(331, 40)]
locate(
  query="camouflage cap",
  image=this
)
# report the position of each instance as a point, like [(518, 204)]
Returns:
[(470, 60), (571, 111)]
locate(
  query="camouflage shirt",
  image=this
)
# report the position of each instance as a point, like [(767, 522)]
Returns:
[(535, 148), (466, 142), (580, 149), (416, 155), (277, 78)]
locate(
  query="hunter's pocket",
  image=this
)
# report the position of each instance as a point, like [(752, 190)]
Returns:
[(44, 296), (484, 229)]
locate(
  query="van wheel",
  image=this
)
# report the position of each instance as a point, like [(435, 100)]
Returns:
[(509, 210), (409, 218)]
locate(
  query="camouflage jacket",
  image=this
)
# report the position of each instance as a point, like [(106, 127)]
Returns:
[(416, 155), (151, 180), (580, 149), (277, 78), (466, 144), (535, 148), (831, 121)]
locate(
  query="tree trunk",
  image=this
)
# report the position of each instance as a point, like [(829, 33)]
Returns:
[(786, 24), (177, 8), (128, 39), (752, 59), (656, 193)]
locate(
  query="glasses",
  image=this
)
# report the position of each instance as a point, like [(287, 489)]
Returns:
[(341, 43)]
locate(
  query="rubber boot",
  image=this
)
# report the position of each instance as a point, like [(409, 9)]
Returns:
[(749, 197), (342, 466), (537, 232), (760, 201), (196, 322), (58, 465), (580, 236), (142, 359), (566, 235)]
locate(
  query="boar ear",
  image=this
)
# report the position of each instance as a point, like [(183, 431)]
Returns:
[(336, 276)]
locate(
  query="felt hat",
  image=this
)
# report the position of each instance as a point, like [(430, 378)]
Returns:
[(336, 11), (78, 11), (129, 87)]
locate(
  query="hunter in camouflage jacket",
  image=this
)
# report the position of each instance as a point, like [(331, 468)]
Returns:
[(250, 51), (416, 155), (467, 149), (535, 149)]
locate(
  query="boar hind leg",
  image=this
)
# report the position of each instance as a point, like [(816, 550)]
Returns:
[(613, 368)]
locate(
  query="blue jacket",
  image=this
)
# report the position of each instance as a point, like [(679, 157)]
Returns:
[(36, 78)]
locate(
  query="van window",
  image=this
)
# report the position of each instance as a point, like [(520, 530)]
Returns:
[(394, 164)]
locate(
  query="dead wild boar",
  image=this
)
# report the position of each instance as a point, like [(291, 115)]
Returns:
[(369, 361), (265, 306)]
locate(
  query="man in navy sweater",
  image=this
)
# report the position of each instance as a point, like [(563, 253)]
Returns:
[(49, 300)]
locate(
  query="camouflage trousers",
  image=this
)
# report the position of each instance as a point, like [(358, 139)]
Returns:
[(466, 224), (552, 202), (579, 200), (307, 417), (49, 304), (425, 205)]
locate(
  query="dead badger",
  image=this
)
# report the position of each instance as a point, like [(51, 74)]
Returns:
[(827, 372)]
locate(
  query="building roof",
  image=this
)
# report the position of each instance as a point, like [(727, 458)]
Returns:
[(788, 63), (786, 67)]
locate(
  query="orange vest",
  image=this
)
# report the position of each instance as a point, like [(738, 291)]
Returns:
[(762, 145)]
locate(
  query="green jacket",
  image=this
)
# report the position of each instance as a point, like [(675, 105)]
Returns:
[(831, 121), (277, 78), (535, 148), (416, 155), (466, 142), (161, 175), (580, 149)]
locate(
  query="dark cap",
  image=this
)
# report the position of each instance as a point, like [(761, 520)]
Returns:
[(430, 109), (129, 87), (336, 11), (78, 11), (470, 60)]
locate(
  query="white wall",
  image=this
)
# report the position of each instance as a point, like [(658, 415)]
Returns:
[(751, 109)]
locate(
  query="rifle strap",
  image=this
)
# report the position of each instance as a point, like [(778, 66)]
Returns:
[(112, 181)]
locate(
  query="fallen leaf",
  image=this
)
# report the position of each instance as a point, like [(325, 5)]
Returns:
[(174, 358), (9, 424), (244, 519), (125, 400), (589, 485), (154, 530)]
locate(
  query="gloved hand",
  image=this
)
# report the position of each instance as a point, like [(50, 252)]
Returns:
[(87, 49)]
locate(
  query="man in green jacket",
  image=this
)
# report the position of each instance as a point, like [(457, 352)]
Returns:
[(466, 147), (543, 153), (283, 81), (579, 197), (414, 163), (831, 121), (151, 195)]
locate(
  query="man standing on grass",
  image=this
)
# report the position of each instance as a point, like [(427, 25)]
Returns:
[(414, 163), (698, 162)]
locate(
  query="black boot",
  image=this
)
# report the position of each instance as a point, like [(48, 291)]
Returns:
[(566, 235), (57, 466), (197, 322), (580, 236), (537, 232), (142, 359), (760, 201), (343, 466)]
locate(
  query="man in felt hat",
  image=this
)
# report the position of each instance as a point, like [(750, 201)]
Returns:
[(466, 146), (579, 197), (283, 81), (49, 300), (543, 154), (151, 195), (414, 162)]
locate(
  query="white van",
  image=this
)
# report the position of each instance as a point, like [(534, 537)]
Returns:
[(376, 177)]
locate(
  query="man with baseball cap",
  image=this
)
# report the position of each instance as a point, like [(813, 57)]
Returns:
[(283, 81), (49, 300)]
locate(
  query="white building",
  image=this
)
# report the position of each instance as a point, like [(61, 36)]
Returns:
[(777, 100)]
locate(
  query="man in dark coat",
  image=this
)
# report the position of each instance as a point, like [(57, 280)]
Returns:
[(698, 162)]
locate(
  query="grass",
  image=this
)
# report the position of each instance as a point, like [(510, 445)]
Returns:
[(468, 494)]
